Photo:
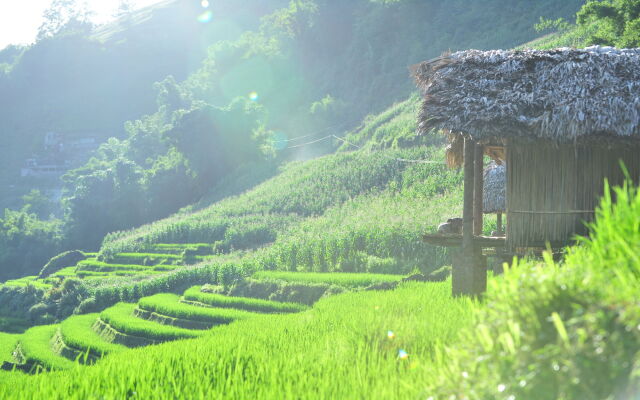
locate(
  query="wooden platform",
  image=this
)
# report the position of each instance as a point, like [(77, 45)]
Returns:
[(454, 240)]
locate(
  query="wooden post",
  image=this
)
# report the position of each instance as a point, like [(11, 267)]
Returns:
[(467, 211), (478, 178), (463, 274), (499, 223)]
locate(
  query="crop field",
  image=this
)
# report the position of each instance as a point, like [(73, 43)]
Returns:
[(169, 305), (280, 355), (259, 215), (35, 346), (121, 318), (8, 342), (335, 278), (77, 332), (248, 304), (28, 281)]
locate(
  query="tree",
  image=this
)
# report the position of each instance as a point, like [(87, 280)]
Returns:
[(618, 22), (125, 7), (64, 16), (37, 203), (215, 140)]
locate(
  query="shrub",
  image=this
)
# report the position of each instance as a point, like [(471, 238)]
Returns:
[(379, 265), (38, 311), (63, 260), (89, 305)]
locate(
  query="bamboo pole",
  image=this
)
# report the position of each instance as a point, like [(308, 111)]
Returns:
[(478, 178)]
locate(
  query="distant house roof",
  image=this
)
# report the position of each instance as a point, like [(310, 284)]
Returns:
[(562, 95), (495, 184)]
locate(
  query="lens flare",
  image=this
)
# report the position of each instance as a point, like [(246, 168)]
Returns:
[(403, 355), (205, 17), (391, 335), (205, 4), (253, 96)]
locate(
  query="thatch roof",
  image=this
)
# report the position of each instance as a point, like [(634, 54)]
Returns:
[(563, 95), (495, 183)]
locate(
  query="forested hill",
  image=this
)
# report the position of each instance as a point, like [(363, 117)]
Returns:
[(184, 93), (90, 81)]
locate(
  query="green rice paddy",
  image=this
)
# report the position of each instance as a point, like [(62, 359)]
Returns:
[(169, 305), (121, 318), (334, 278), (77, 332), (243, 303)]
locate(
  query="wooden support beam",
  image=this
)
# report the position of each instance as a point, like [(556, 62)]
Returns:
[(499, 223), (478, 183), (467, 211), (469, 266)]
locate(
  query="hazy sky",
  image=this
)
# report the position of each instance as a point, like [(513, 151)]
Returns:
[(20, 19)]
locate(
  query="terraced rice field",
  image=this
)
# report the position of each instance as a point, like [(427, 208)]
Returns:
[(159, 259), (84, 339), (333, 278)]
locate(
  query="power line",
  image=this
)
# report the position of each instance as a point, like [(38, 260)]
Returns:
[(392, 158), (406, 160), (308, 143), (309, 135)]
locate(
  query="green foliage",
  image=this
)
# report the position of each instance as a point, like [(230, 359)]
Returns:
[(169, 305), (243, 303), (561, 330), (107, 293), (16, 299), (618, 22), (387, 225), (258, 216), (120, 317), (13, 325), (37, 203), (556, 25), (62, 260), (26, 243)]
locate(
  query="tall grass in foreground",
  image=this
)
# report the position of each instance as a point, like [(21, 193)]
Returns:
[(356, 345), (566, 331)]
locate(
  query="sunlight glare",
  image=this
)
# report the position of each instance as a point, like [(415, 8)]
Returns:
[(205, 17), (253, 96), (205, 4)]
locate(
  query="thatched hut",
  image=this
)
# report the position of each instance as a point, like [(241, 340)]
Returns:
[(495, 183), (563, 120)]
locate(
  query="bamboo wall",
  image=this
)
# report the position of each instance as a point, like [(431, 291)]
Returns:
[(553, 189)]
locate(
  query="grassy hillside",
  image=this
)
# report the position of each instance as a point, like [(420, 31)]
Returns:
[(544, 330), (293, 289)]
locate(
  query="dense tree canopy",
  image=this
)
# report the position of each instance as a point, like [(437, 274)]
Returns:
[(618, 22)]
